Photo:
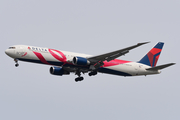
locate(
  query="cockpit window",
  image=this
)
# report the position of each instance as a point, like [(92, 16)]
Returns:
[(12, 47)]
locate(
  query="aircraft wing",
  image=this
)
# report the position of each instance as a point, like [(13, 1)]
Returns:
[(115, 54)]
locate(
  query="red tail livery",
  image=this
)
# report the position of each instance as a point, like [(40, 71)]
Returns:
[(152, 56)]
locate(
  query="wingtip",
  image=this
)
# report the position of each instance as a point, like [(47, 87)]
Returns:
[(143, 43)]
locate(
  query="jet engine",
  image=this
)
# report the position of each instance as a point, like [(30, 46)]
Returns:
[(80, 61), (58, 71)]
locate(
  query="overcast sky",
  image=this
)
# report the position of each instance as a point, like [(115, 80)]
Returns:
[(30, 92)]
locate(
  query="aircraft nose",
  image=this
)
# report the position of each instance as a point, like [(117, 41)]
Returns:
[(7, 51)]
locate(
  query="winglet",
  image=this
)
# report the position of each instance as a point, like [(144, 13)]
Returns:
[(143, 43)]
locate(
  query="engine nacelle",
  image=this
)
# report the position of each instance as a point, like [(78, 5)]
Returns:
[(58, 71), (80, 61)]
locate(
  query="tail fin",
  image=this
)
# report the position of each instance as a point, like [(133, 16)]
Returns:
[(152, 56)]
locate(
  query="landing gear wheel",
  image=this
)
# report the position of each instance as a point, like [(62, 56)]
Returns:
[(16, 65), (93, 73), (79, 79), (76, 80), (90, 74), (16, 61)]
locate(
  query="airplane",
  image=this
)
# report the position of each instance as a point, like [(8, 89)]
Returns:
[(64, 63)]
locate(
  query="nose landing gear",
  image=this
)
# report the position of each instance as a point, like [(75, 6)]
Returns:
[(16, 61)]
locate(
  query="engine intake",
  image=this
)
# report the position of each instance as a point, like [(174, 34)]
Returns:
[(80, 61), (58, 71)]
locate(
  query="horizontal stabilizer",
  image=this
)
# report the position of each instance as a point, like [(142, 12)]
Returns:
[(160, 67)]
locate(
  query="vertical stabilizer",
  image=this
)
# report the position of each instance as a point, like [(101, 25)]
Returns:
[(152, 56)]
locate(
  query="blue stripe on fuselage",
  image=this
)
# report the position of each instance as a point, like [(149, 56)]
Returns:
[(102, 70), (52, 63), (114, 72)]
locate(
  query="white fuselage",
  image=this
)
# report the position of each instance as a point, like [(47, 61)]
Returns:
[(63, 58)]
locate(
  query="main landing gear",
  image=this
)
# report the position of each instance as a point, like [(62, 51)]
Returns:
[(16, 61), (79, 78), (93, 73)]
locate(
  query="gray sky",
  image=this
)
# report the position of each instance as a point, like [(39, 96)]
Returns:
[(92, 27)]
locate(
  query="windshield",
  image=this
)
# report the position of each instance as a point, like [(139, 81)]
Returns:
[(12, 47)]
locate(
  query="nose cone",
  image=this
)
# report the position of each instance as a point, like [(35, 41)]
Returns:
[(9, 52)]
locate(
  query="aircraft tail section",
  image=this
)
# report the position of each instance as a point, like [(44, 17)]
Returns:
[(152, 56)]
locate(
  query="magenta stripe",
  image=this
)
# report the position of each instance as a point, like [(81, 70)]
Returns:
[(41, 58)]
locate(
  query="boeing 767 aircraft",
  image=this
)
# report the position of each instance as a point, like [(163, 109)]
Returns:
[(63, 62)]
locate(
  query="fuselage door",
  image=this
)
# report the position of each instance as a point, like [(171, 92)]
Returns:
[(136, 67)]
